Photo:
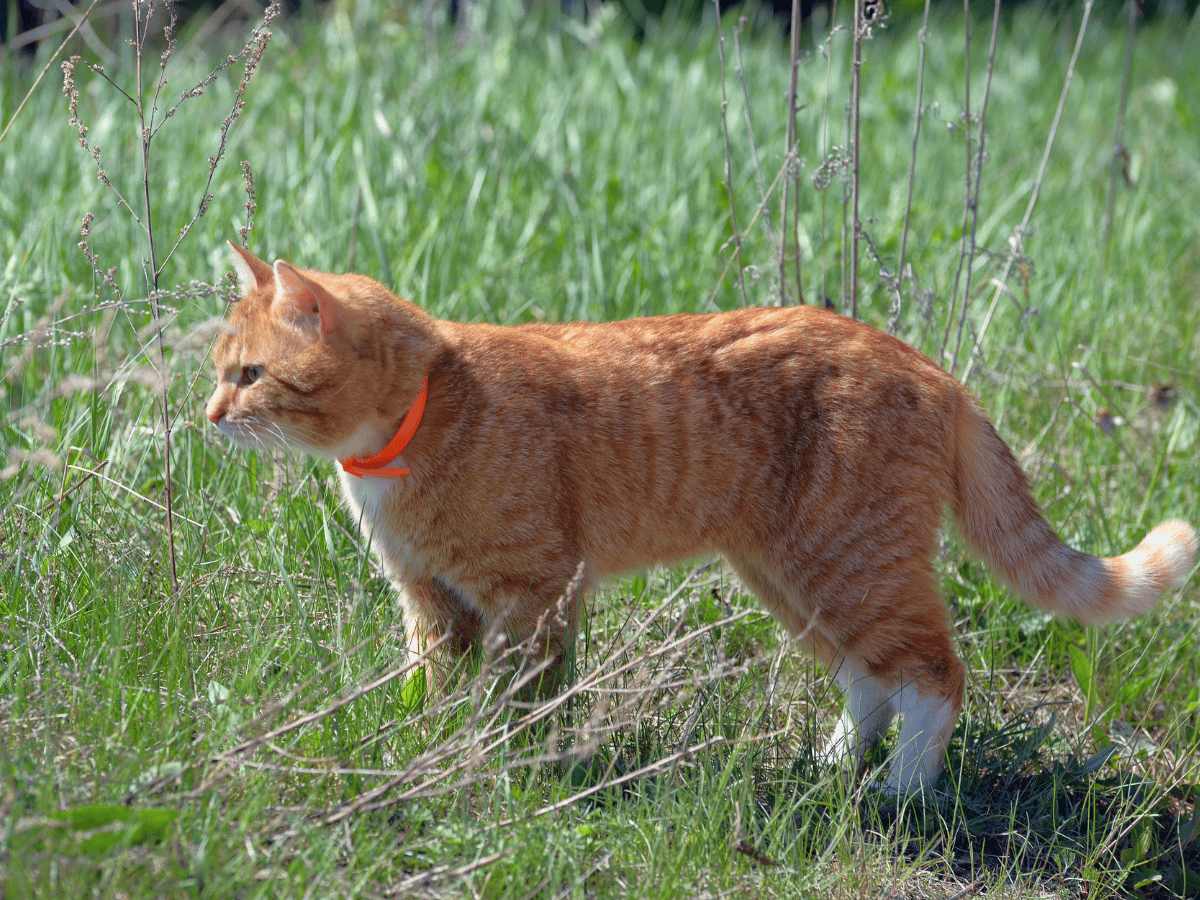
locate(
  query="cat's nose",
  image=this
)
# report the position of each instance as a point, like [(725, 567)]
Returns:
[(214, 413)]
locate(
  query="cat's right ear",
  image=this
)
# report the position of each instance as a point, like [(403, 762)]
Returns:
[(305, 301), (251, 271)]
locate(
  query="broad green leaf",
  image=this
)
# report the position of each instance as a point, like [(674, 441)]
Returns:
[(412, 694), (104, 826), (1081, 667)]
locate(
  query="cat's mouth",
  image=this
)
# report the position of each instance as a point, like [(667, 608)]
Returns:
[(260, 434)]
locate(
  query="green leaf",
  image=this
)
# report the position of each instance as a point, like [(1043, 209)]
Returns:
[(1186, 882), (1189, 830), (412, 694), (155, 773), (1146, 876), (1096, 762), (1081, 667), (85, 818), (100, 827), (1144, 847), (217, 693)]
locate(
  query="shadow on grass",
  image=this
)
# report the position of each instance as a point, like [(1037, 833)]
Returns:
[(1011, 808), (1014, 803)]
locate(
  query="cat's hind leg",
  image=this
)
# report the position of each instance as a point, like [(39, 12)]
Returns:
[(927, 720), (892, 654), (927, 705), (920, 752), (868, 711), (869, 708), (924, 687)]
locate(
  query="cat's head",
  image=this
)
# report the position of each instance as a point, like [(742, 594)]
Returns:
[(316, 362)]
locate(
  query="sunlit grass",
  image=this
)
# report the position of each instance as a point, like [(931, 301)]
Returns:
[(554, 169)]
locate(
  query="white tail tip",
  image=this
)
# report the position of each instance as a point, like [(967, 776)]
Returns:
[(1170, 552), (1160, 562)]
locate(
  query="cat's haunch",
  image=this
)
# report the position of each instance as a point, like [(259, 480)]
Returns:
[(816, 454)]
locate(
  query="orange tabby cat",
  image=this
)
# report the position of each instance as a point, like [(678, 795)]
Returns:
[(490, 465)]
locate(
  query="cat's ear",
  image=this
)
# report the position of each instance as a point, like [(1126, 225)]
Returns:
[(305, 301), (251, 271)]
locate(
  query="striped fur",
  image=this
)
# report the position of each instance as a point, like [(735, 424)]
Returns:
[(815, 453)]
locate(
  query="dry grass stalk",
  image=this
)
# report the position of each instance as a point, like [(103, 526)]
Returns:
[(974, 175), (150, 119), (1119, 167), (1016, 247), (737, 237), (791, 185), (918, 114), (483, 729)]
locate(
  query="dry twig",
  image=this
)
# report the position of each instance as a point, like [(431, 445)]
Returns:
[(1016, 241)]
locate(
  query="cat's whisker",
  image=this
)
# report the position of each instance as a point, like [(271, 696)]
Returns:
[(265, 433), (275, 434)]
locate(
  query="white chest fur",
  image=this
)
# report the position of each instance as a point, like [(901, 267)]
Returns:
[(365, 497), (370, 500)]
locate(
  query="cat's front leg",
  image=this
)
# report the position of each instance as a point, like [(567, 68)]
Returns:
[(440, 625), (536, 629)]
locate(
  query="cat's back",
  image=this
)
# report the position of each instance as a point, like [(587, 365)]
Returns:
[(727, 385), (800, 342), (677, 332), (708, 424)]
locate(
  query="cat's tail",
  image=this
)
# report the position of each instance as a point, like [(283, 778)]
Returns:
[(999, 521)]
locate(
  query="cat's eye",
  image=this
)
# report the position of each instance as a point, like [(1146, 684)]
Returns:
[(251, 374)]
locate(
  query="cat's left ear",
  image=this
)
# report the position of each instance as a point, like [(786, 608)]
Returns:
[(305, 301), (253, 274)]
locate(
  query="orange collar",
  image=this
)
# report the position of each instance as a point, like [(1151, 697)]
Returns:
[(376, 466)]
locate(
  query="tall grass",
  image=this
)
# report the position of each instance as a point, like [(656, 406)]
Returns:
[(553, 168)]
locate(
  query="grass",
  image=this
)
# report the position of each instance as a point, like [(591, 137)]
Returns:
[(252, 733)]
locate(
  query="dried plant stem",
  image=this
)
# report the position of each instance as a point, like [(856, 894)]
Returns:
[(1015, 250), (966, 255), (952, 313), (1120, 156), (96, 473), (388, 676), (823, 243), (791, 183), (46, 68), (762, 188), (146, 102), (860, 26), (141, 25), (788, 162), (737, 236), (918, 114), (481, 746), (654, 767)]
